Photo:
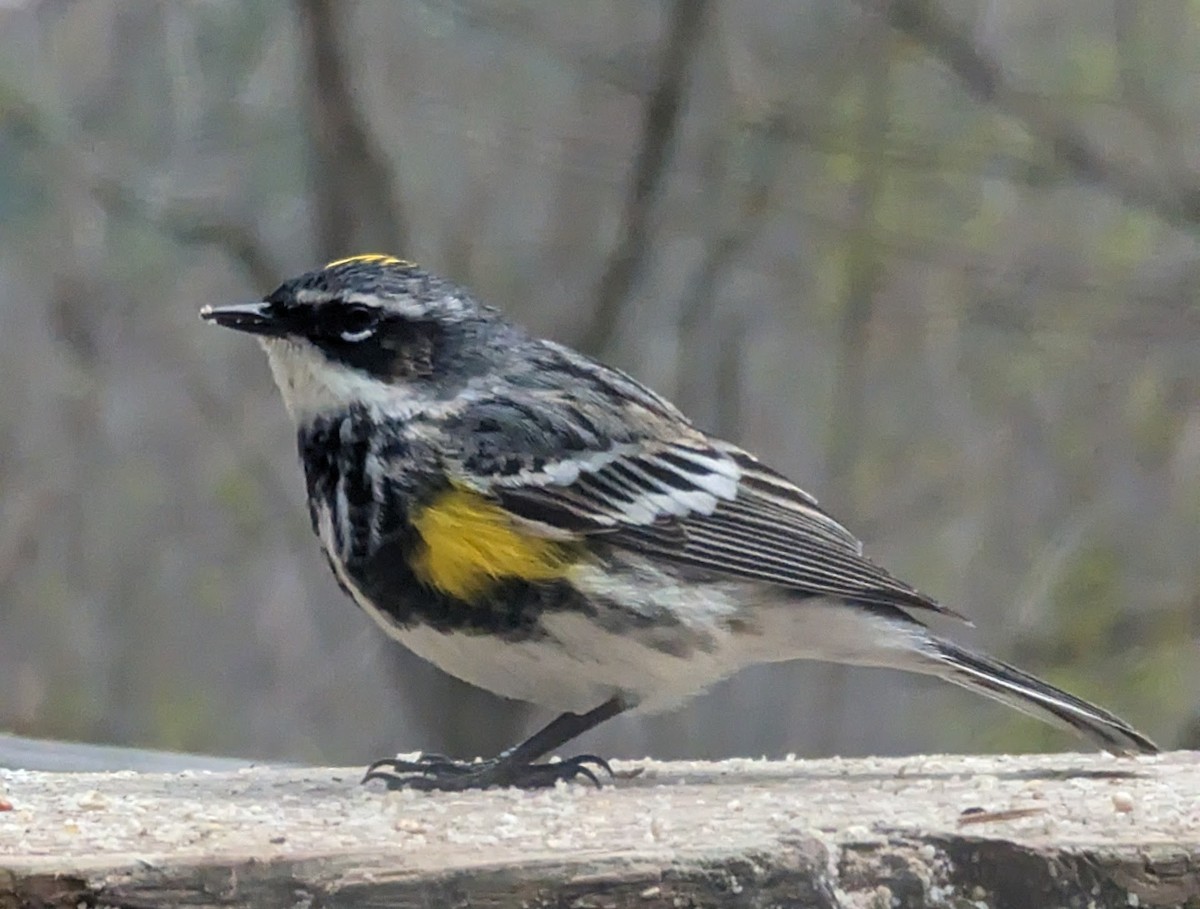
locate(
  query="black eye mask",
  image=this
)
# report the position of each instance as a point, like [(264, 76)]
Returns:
[(386, 346), (350, 323)]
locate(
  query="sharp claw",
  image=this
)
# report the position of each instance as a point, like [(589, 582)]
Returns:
[(395, 781), (431, 764), (437, 772), (375, 765), (597, 760), (582, 770)]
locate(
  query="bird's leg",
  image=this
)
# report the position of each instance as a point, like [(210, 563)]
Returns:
[(518, 766)]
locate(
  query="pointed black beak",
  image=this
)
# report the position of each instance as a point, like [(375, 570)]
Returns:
[(255, 318)]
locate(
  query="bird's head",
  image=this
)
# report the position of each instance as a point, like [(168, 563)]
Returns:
[(370, 330)]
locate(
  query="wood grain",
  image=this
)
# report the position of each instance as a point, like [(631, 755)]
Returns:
[(1045, 831)]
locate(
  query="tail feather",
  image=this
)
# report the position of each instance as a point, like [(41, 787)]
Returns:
[(1031, 695)]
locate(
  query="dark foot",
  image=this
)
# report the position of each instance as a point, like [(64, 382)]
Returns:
[(438, 773)]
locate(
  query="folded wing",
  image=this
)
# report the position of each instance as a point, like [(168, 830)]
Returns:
[(688, 500)]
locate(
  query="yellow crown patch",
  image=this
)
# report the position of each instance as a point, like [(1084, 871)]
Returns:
[(370, 258)]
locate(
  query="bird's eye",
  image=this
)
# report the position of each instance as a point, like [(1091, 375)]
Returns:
[(356, 322)]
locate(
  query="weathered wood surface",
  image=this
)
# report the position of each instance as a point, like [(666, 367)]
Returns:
[(1069, 830)]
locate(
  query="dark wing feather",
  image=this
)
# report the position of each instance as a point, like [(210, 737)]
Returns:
[(604, 455), (767, 530)]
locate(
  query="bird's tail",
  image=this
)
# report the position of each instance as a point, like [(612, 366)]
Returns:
[(1031, 695)]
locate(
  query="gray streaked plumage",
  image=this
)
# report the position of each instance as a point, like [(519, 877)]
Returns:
[(691, 559)]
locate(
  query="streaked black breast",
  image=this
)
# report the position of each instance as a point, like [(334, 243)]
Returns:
[(345, 459)]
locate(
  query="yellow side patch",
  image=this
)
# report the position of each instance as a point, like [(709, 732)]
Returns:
[(470, 543), (370, 258)]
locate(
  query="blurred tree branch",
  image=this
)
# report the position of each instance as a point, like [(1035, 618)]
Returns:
[(353, 185), (751, 160), (628, 71), (189, 224), (239, 241), (661, 120), (193, 224), (20, 527), (984, 77), (864, 264), (1136, 93)]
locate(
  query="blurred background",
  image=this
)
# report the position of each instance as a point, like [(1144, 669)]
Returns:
[(937, 261)]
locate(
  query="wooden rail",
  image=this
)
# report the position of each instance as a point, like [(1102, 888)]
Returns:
[(926, 831)]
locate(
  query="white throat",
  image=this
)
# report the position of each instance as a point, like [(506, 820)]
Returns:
[(312, 384)]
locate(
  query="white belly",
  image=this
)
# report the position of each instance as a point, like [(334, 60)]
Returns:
[(573, 666), (575, 662)]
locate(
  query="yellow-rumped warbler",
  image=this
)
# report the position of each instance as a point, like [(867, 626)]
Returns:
[(549, 529)]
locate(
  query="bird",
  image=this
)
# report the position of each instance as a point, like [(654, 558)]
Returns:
[(549, 529)]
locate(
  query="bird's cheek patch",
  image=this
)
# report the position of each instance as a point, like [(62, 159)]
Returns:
[(469, 544)]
